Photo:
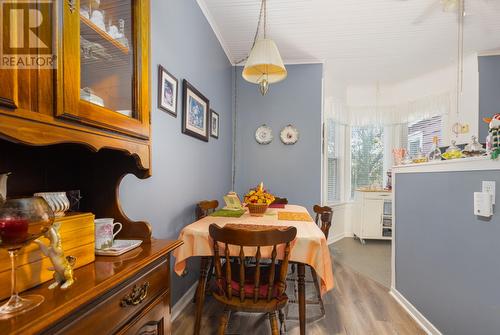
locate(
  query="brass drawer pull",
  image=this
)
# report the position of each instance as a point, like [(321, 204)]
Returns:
[(138, 294)]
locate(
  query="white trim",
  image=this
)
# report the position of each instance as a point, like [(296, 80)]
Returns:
[(184, 301), (204, 9), (426, 325), (489, 53), (393, 240), (339, 237), (324, 159), (304, 61), (454, 165)]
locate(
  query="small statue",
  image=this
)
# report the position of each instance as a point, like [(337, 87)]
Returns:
[(62, 266), (494, 135)]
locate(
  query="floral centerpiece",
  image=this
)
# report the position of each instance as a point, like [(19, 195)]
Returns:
[(258, 200)]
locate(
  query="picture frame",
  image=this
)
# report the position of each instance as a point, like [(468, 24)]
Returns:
[(195, 112), (214, 124), (167, 91)]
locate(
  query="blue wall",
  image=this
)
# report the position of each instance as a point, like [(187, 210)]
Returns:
[(185, 170), (489, 90), (447, 259), (292, 171)]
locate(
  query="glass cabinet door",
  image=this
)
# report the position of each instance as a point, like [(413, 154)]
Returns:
[(107, 55), (106, 50)]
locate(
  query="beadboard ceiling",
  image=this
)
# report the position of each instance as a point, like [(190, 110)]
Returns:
[(360, 40)]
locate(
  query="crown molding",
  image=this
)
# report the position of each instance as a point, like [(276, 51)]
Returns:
[(303, 61), (215, 28)]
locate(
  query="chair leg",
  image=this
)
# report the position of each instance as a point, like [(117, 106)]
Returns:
[(200, 294), (209, 279), (274, 323), (282, 322), (318, 290), (224, 319)]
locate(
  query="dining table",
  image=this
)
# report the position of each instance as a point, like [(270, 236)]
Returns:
[(309, 248)]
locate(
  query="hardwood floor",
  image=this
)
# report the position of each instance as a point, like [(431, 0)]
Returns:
[(357, 306)]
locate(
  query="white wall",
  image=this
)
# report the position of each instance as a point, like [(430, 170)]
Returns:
[(341, 222)]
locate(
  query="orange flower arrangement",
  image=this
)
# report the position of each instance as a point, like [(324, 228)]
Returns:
[(259, 196)]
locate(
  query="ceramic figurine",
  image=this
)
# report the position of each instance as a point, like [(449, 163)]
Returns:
[(494, 135), (62, 266)]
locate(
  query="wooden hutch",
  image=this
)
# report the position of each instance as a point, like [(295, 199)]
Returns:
[(83, 125)]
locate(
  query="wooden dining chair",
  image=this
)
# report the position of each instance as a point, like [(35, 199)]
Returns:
[(324, 221), (324, 225), (257, 287), (205, 208)]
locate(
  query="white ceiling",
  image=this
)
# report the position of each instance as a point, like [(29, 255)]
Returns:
[(361, 40)]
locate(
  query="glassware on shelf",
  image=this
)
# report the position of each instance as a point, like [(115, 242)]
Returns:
[(107, 62), (474, 148), (398, 154), (419, 157), (22, 221), (407, 159), (453, 152), (435, 153)]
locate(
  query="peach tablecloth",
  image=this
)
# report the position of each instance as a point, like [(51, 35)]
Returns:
[(310, 246)]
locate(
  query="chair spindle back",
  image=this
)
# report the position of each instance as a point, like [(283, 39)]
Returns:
[(204, 208), (243, 236), (323, 218)]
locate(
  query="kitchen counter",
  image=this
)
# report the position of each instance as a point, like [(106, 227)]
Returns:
[(461, 164)]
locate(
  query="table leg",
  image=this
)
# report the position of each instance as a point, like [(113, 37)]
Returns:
[(200, 293), (302, 297)]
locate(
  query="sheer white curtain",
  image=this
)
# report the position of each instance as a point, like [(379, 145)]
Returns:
[(388, 115), (394, 119)]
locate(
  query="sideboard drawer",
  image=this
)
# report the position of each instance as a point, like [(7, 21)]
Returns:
[(113, 310)]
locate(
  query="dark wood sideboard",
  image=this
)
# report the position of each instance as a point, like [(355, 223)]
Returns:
[(85, 125), (128, 294)]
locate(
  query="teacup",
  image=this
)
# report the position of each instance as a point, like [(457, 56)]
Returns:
[(104, 232)]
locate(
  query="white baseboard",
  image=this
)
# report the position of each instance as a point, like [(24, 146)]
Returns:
[(338, 237), (184, 301), (426, 325)]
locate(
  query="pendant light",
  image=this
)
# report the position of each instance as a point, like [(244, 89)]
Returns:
[(264, 65)]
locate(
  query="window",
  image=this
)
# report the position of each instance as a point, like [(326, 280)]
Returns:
[(421, 133), (332, 162), (367, 157)]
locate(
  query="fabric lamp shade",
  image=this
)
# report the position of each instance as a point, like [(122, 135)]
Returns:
[(264, 63)]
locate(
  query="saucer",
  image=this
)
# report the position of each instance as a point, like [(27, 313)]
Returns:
[(119, 247)]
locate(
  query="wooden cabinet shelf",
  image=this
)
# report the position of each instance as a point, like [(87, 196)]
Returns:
[(91, 27)]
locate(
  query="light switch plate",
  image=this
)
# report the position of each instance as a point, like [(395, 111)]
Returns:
[(489, 187)]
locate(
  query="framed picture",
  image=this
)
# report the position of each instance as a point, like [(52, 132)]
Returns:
[(195, 112), (214, 124), (167, 91)]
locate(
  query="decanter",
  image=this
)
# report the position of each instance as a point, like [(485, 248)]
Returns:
[(435, 153)]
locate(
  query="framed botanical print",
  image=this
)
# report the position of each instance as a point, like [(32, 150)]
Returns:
[(167, 91), (214, 124), (195, 112)]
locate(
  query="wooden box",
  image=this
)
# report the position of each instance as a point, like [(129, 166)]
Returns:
[(77, 234)]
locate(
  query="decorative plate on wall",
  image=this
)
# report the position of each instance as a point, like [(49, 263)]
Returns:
[(289, 135), (264, 134)]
